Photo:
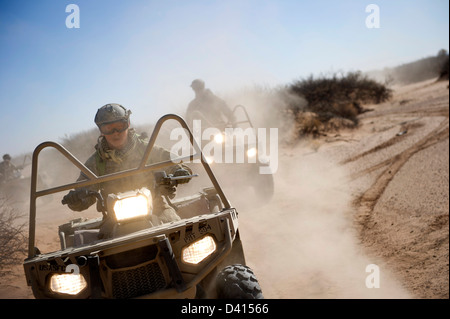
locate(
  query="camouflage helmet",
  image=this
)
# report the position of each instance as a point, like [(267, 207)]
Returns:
[(198, 84), (111, 113), (6, 157)]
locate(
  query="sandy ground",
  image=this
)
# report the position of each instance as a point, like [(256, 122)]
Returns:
[(359, 214), (376, 195)]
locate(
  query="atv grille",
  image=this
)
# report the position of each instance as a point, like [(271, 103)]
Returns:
[(137, 282)]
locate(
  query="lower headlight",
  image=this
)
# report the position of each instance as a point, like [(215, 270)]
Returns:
[(70, 284), (198, 250)]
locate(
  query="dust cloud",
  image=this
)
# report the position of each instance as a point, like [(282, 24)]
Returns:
[(266, 106), (302, 244)]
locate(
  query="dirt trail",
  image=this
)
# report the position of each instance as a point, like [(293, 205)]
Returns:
[(403, 215), (375, 195)]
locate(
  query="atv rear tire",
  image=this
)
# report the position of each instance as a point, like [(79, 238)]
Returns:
[(238, 282)]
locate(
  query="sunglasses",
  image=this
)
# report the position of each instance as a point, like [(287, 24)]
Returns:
[(111, 128)]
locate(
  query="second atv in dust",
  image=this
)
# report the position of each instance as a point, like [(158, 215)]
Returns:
[(239, 139)]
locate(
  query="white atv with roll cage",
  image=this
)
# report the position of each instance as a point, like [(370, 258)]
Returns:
[(128, 254)]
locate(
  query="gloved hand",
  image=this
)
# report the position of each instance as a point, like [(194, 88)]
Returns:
[(169, 191), (75, 197), (182, 172)]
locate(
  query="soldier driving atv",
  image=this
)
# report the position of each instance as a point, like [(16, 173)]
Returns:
[(208, 107), (7, 169), (120, 148)]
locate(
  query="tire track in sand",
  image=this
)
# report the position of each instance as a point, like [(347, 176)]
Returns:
[(367, 201)]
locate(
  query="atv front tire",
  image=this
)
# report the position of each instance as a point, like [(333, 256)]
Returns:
[(238, 282)]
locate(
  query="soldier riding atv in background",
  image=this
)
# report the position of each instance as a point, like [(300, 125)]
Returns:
[(13, 185), (212, 112), (8, 170)]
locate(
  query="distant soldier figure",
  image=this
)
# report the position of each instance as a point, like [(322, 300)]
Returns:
[(7, 169), (208, 107)]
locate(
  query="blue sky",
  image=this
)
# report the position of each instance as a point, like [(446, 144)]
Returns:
[(144, 54)]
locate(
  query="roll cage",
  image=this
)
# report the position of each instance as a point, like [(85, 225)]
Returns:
[(94, 179)]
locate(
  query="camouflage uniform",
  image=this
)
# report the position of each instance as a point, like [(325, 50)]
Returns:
[(7, 170), (106, 161), (211, 108)]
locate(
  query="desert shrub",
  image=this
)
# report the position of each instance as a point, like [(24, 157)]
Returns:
[(443, 73), (337, 96), (324, 93), (12, 237)]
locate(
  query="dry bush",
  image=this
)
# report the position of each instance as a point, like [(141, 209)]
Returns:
[(324, 93), (12, 237), (443, 74), (308, 123), (338, 98)]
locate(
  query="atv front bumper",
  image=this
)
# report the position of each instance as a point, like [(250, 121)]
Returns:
[(145, 264)]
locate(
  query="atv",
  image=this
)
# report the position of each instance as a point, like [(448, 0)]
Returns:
[(259, 188), (127, 253), (17, 185)]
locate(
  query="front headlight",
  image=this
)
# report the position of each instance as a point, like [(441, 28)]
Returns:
[(131, 207), (219, 138), (131, 204), (251, 152), (70, 284), (209, 159), (198, 250)]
